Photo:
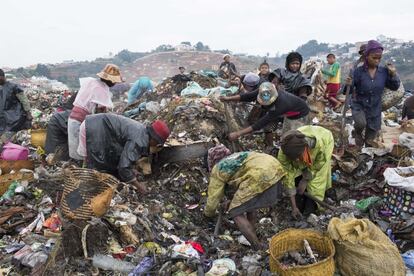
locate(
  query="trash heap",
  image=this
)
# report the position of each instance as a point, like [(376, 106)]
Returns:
[(170, 87), (44, 230)]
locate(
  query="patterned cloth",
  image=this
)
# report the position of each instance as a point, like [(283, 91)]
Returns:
[(249, 173), (216, 154), (399, 200)]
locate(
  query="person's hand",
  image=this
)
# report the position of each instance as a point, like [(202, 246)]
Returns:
[(301, 187), (29, 116), (224, 98), (141, 187), (348, 81), (391, 69), (234, 136), (296, 213), (225, 205)]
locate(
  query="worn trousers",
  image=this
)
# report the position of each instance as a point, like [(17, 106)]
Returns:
[(360, 124)]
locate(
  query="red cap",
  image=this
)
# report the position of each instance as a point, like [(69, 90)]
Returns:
[(161, 129)]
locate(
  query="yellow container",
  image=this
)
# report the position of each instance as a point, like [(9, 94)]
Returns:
[(38, 137), (292, 240)]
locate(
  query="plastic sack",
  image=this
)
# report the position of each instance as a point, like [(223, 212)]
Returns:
[(192, 89), (13, 152), (401, 177), (153, 107), (407, 139), (363, 249), (408, 258)]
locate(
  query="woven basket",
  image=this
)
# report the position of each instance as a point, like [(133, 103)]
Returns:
[(87, 193), (391, 98), (292, 239), (38, 137)]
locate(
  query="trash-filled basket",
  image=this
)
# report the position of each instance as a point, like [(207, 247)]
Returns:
[(292, 239), (87, 193)]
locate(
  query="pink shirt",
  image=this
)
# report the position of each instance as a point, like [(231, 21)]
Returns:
[(93, 93)]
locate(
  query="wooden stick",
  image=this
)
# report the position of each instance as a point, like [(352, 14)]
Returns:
[(320, 202), (309, 250)]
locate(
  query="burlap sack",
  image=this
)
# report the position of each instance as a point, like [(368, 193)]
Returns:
[(391, 98), (363, 249)]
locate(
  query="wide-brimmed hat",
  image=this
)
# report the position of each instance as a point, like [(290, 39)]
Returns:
[(111, 73), (267, 94)]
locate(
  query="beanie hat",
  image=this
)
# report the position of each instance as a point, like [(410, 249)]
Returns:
[(251, 79), (293, 144), (160, 131)]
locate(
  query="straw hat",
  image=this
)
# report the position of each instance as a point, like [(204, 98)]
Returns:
[(111, 73), (267, 94)]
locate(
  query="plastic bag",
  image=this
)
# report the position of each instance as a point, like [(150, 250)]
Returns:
[(365, 203), (194, 88), (407, 139), (401, 177), (408, 258)]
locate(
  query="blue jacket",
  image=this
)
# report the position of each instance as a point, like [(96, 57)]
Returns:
[(368, 93), (141, 86)]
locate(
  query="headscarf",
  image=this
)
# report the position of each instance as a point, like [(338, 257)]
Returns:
[(293, 56), (293, 144), (373, 47), (215, 154)]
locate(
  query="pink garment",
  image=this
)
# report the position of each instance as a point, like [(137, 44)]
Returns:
[(93, 92), (82, 140)]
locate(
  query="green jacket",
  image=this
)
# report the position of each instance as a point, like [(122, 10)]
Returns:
[(320, 170)]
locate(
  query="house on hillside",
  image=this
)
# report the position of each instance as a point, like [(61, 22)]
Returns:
[(184, 47)]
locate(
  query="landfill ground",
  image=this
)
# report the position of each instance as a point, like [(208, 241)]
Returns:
[(144, 231)]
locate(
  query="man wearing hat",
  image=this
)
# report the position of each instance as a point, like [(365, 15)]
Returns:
[(93, 97), (114, 143), (14, 106), (277, 104), (306, 153), (250, 82)]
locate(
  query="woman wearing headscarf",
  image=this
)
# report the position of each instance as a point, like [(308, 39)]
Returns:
[(306, 153), (368, 84), (291, 77)]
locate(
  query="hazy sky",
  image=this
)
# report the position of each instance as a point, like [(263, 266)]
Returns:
[(49, 31)]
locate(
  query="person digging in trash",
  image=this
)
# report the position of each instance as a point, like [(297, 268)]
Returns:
[(251, 181), (249, 82), (114, 144), (333, 83), (306, 157), (276, 104), (264, 72), (93, 97), (368, 83), (139, 88), (291, 78), (15, 112)]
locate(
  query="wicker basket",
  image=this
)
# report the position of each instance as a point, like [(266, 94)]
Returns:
[(87, 193), (292, 239), (38, 137)]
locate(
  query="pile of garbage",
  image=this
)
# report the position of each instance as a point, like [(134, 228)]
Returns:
[(170, 86), (165, 232)]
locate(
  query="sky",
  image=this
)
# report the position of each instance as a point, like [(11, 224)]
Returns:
[(50, 31)]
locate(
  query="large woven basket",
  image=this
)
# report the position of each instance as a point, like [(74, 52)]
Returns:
[(87, 193), (292, 239), (391, 98)]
